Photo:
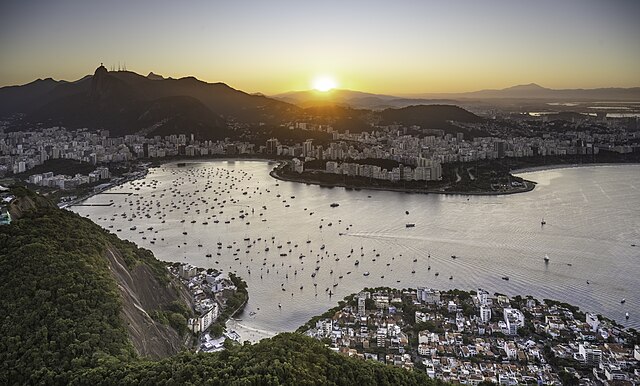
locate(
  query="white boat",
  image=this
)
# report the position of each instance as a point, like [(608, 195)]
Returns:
[(546, 258)]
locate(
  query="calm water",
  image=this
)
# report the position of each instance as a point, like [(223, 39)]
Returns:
[(592, 217)]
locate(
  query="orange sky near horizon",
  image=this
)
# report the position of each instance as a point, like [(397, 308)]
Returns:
[(405, 47)]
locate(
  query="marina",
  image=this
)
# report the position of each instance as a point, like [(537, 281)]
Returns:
[(299, 254)]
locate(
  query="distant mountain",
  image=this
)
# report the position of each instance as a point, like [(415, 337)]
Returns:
[(13, 98), (534, 91), (126, 103), (432, 117), (340, 117), (354, 99), (531, 91)]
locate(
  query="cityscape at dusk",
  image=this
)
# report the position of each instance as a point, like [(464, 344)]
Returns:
[(320, 193)]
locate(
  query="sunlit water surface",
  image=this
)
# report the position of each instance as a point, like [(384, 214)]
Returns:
[(592, 219)]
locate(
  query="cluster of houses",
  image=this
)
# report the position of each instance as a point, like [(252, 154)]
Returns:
[(209, 290), (471, 337)]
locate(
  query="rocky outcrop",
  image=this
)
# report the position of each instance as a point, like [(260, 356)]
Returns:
[(146, 289), (27, 201), (142, 294)]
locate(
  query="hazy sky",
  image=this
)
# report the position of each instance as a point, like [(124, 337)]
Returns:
[(275, 46)]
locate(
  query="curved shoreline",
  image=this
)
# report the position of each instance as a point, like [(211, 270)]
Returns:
[(280, 162), (543, 168), (529, 186)]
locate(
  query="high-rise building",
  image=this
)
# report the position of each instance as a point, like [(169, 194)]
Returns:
[(307, 148), (361, 306), (485, 313), (272, 146)]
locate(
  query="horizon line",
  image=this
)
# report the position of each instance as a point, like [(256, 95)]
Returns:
[(394, 94)]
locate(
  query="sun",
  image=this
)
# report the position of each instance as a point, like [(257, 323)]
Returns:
[(324, 83)]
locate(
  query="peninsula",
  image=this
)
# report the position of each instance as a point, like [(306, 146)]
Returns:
[(484, 179), (475, 337)]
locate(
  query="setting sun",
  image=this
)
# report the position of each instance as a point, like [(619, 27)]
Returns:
[(324, 83)]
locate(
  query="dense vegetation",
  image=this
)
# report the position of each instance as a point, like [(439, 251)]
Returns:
[(289, 359), (234, 304), (60, 320), (59, 304)]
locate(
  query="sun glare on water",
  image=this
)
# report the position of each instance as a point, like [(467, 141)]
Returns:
[(324, 83)]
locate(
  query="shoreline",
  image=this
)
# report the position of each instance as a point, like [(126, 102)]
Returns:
[(111, 186), (542, 168), (529, 186), (151, 164)]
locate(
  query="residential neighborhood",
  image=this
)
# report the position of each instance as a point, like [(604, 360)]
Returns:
[(473, 337), (210, 290)]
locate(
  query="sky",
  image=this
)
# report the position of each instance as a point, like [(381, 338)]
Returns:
[(274, 46)]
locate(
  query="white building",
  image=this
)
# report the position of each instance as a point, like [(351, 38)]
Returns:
[(592, 321), (614, 373), (483, 296), (324, 327), (298, 166), (208, 317), (428, 295), (588, 354), (513, 319), (511, 350), (485, 313), (361, 306), (424, 350)]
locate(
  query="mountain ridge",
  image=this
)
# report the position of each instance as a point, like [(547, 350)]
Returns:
[(127, 103), (530, 91)]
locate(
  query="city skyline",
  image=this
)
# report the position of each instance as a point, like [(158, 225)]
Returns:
[(414, 47)]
